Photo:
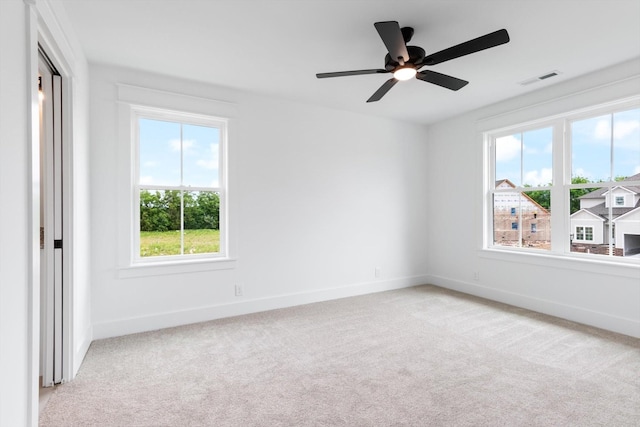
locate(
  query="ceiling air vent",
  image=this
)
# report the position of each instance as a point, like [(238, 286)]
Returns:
[(544, 76)]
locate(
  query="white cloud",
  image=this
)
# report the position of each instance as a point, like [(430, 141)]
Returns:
[(150, 164), (538, 177), (211, 163), (636, 170), (507, 148), (621, 128), (174, 144), (624, 128), (603, 129), (146, 180)]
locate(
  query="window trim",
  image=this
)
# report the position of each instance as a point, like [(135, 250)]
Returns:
[(560, 224), (139, 112), (131, 97)]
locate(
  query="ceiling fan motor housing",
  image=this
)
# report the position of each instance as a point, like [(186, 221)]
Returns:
[(416, 55)]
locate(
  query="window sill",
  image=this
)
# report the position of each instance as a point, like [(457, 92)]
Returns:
[(162, 268), (585, 264)]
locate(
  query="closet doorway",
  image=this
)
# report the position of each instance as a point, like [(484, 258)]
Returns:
[(51, 215)]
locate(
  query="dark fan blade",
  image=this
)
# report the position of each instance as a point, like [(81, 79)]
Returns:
[(383, 90), (349, 73), (394, 41), (441, 80), (481, 43)]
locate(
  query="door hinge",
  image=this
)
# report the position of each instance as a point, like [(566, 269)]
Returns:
[(57, 244)]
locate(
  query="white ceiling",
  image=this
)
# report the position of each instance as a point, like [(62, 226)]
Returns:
[(275, 47)]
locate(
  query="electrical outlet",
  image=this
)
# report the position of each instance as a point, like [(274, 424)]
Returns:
[(476, 276), (376, 272), (239, 290)]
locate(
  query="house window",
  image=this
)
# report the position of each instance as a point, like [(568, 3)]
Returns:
[(180, 191), (574, 161), (588, 233), (514, 225), (513, 211)]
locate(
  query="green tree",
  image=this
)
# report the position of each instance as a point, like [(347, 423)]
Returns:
[(161, 210), (209, 210), (576, 193), (153, 213)]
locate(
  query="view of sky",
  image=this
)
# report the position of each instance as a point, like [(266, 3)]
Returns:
[(161, 162), (526, 158)]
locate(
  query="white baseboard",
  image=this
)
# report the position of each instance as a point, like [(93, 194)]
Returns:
[(597, 319), (202, 314)]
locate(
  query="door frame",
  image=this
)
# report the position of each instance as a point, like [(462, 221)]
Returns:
[(43, 29)]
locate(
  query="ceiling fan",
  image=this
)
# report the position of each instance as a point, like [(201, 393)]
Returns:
[(406, 61)]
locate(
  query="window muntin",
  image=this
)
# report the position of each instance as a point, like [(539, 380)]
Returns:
[(605, 159), (180, 193)]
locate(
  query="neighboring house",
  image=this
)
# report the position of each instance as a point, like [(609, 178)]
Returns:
[(590, 225), (519, 218)]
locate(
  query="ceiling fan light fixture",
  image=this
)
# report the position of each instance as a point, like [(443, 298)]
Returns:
[(404, 73)]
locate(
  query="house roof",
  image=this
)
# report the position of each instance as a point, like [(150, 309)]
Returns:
[(600, 192), (603, 211)]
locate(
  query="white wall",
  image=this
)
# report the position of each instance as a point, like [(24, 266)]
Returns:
[(19, 238), (319, 198), (15, 184), (606, 296)]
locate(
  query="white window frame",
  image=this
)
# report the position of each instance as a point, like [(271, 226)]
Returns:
[(561, 184), (156, 102), (138, 113)]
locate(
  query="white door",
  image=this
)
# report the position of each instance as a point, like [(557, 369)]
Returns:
[(51, 280)]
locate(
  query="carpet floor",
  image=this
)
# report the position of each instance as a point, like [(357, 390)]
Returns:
[(422, 356)]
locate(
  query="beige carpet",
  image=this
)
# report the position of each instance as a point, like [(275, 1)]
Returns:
[(422, 356)]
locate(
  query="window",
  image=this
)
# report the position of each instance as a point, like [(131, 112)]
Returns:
[(588, 233), (574, 171), (522, 175), (180, 185)]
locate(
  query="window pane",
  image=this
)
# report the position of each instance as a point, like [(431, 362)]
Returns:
[(522, 219), (201, 156), (159, 223), (201, 222), (537, 157), (159, 152), (506, 217), (525, 159), (508, 158), (536, 218), (591, 149), (602, 227), (626, 143)]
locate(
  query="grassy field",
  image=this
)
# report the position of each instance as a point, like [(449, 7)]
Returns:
[(158, 243)]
